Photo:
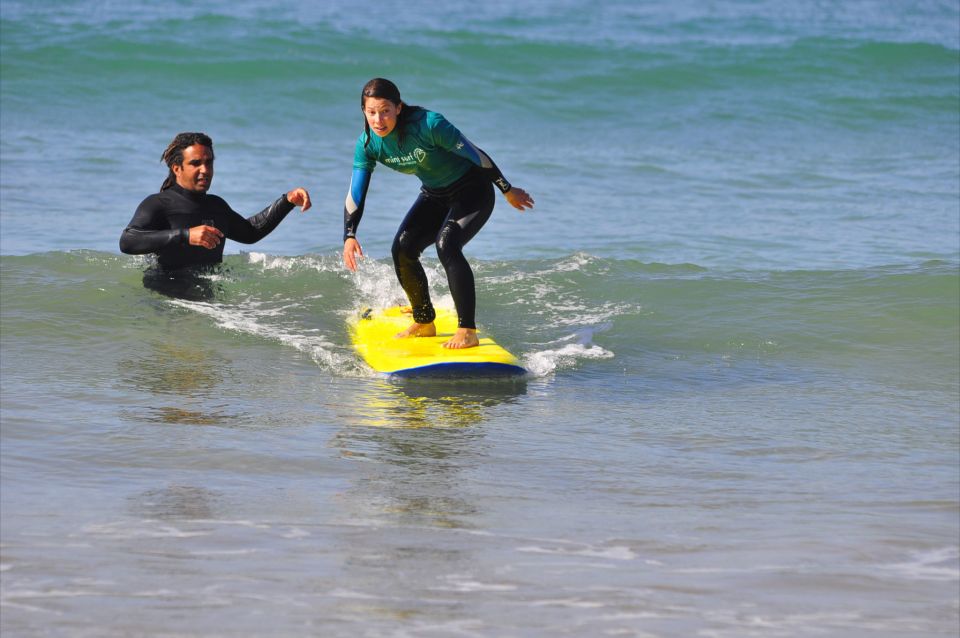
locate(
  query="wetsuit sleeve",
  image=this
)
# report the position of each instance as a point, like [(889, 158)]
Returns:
[(148, 232), (447, 136), (363, 166), (253, 229), (353, 206)]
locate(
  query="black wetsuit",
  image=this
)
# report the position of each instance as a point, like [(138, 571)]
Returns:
[(163, 220), (449, 217)]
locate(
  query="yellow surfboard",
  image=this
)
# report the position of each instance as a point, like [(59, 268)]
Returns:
[(373, 333)]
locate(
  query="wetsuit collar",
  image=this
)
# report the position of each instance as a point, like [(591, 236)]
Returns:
[(191, 195)]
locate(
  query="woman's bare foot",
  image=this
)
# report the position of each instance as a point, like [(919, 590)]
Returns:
[(419, 330), (463, 338)]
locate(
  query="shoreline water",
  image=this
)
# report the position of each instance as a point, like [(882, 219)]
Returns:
[(738, 299)]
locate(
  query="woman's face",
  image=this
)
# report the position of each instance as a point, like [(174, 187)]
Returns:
[(381, 115)]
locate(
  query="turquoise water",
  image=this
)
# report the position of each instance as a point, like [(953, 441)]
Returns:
[(738, 299)]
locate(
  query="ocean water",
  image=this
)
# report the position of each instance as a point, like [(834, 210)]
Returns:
[(738, 299)]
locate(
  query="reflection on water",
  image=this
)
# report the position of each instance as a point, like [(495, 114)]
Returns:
[(418, 439), (173, 368), (190, 377), (172, 415), (410, 477), (434, 403), (176, 502)]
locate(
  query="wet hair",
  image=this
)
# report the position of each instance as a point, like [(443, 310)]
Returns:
[(173, 156), (386, 90)]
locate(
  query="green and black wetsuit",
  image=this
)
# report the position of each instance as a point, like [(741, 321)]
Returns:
[(456, 199)]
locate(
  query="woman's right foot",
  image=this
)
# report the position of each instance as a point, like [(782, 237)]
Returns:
[(463, 338)]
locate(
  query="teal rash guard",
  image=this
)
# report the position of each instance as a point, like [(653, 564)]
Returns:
[(425, 145)]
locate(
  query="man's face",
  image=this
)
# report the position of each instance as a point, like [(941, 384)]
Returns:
[(196, 171)]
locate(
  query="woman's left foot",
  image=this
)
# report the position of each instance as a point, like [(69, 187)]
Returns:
[(463, 338), (418, 330)]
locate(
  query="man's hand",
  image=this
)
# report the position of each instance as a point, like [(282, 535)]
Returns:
[(206, 236), (299, 197)]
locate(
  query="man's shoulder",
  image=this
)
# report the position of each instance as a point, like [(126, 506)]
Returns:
[(170, 200), (215, 201), (154, 201), (163, 197)]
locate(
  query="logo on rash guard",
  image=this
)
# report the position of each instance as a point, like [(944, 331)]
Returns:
[(418, 155)]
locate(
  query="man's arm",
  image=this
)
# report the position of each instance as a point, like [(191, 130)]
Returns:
[(146, 232), (253, 229)]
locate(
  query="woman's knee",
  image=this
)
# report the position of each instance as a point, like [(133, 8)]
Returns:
[(449, 244), (404, 248)]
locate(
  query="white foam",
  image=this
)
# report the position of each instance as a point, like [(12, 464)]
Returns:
[(51, 593), (936, 564), (616, 552), (238, 523), (378, 287), (11, 604), (224, 552), (145, 529), (347, 593), (288, 264), (556, 307), (466, 585), (377, 284), (562, 316), (751, 569), (573, 603), (572, 263), (737, 623), (296, 532), (547, 361), (249, 318)]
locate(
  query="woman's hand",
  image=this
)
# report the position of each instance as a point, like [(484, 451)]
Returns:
[(351, 253), (519, 198)]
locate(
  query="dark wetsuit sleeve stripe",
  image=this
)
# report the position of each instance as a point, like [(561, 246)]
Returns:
[(147, 232), (448, 137), (136, 241), (465, 148), (353, 206), (253, 229)]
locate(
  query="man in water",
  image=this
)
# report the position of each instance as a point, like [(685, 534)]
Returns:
[(184, 225)]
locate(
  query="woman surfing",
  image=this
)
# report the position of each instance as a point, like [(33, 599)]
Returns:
[(456, 200)]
